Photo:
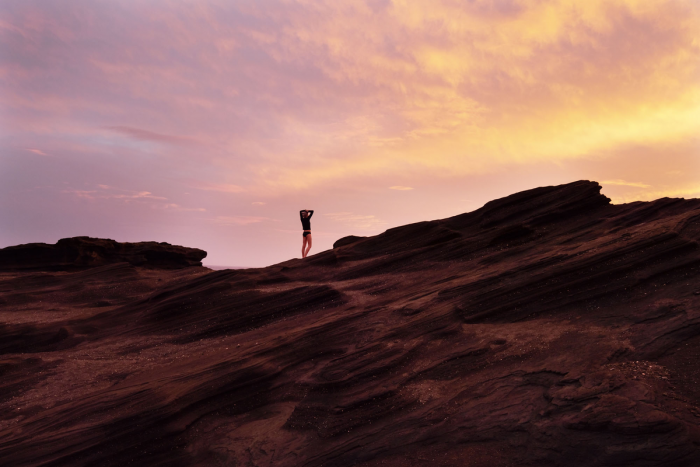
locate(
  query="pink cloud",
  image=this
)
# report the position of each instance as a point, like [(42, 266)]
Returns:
[(357, 221), (38, 151), (145, 135), (139, 195), (220, 187), (86, 194), (126, 195), (177, 207), (239, 220)]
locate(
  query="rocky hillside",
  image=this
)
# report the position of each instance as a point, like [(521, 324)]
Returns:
[(547, 328)]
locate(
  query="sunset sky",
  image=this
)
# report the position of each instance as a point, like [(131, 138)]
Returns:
[(211, 123)]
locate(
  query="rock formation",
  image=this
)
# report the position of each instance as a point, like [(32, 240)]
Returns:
[(85, 252), (547, 328)]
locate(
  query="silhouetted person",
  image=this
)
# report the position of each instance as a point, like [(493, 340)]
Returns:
[(305, 217)]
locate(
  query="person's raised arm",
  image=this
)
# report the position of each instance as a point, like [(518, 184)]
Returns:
[(311, 212)]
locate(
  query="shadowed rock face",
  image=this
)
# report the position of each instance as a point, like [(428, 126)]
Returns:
[(85, 252), (547, 328)]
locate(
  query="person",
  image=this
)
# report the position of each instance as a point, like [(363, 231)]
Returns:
[(305, 216)]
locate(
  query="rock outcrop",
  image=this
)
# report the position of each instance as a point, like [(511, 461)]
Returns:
[(547, 328), (86, 252), (347, 241)]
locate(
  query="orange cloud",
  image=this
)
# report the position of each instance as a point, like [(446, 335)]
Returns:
[(624, 183), (468, 88)]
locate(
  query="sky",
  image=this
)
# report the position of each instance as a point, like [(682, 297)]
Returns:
[(211, 123)]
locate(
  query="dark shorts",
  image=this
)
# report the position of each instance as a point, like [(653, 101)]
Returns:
[(307, 233)]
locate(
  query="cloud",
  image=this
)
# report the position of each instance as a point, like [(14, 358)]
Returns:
[(107, 192), (220, 187), (291, 97), (625, 183), (357, 221), (86, 194), (177, 207), (145, 135), (38, 151), (139, 195), (687, 192), (116, 193), (239, 220), (400, 188)]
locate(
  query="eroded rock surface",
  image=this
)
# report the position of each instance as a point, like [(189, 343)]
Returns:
[(547, 328)]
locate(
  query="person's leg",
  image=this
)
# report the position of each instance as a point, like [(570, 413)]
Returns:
[(303, 246), (308, 245)]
